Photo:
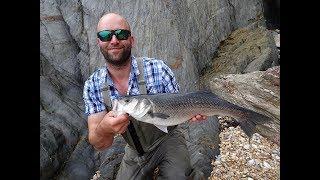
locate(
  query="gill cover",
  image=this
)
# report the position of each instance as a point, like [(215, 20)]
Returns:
[(135, 107), (138, 109)]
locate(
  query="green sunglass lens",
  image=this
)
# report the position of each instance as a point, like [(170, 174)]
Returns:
[(122, 34), (105, 35)]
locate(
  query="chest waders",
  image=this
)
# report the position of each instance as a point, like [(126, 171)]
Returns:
[(143, 137)]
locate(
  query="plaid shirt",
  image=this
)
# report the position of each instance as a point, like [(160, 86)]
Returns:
[(158, 76)]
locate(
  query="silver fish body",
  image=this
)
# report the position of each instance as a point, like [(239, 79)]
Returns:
[(175, 108)]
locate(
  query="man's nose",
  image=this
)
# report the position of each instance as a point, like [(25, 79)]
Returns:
[(114, 40)]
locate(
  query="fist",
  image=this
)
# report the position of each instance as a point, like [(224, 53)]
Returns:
[(116, 124), (198, 117)]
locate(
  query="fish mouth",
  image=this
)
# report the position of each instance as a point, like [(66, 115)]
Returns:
[(142, 108)]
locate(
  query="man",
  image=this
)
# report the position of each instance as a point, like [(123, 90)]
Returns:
[(148, 147)]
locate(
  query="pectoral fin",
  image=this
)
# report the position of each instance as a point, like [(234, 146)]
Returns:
[(160, 115), (162, 128)]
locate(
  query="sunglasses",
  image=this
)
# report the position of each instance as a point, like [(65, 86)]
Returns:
[(106, 35)]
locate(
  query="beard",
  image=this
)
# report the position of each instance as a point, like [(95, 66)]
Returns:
[(119, 60)]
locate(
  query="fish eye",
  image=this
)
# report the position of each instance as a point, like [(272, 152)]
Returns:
[(127, 100)]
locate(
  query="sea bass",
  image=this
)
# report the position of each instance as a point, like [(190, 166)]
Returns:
[(170, 109)]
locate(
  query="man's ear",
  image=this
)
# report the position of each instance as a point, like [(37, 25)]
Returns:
[(132, 41)]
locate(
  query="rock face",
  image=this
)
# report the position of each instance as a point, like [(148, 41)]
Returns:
[(109, 160), (259, 91), (61, 125), (247, 49), (239, 73), (185, 34), (259, 157), (81, 163), (203, 143)]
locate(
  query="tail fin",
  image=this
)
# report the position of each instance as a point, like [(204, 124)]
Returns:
[(252, 122)]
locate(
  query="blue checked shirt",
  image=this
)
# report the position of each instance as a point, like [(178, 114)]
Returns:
[(158, 76)]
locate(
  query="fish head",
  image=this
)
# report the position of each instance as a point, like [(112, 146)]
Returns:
[(135, 107)]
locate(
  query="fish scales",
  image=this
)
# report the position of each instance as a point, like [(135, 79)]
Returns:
[(181, 107), (176, 108)]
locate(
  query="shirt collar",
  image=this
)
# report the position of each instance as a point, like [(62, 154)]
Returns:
[(134, 66), (133, 73)]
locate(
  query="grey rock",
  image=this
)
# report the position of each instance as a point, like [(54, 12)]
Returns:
[(263, 62), (60, 128), (160, 29), (248, 49), (81, 163), (269, 55), (110, 159), (258, 91), (203, 143)]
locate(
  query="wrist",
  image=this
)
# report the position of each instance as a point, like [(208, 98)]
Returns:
[(103, 132)]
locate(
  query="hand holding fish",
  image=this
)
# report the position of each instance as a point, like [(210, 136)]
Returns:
[(115, 124), (103, 126), (198, 117)]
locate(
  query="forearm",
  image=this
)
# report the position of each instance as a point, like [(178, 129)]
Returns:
[(99, 137), (103, 126), (100, 140)]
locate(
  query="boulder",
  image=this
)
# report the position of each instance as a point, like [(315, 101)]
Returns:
[(81, 163), (258, 91), (203, 143), (247, 49), (110, 159), (61, 125)]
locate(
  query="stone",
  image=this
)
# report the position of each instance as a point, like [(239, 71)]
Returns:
[(258, 91), (245, 50)]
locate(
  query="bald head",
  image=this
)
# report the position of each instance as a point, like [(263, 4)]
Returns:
[(117, 52), (112, 21)]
